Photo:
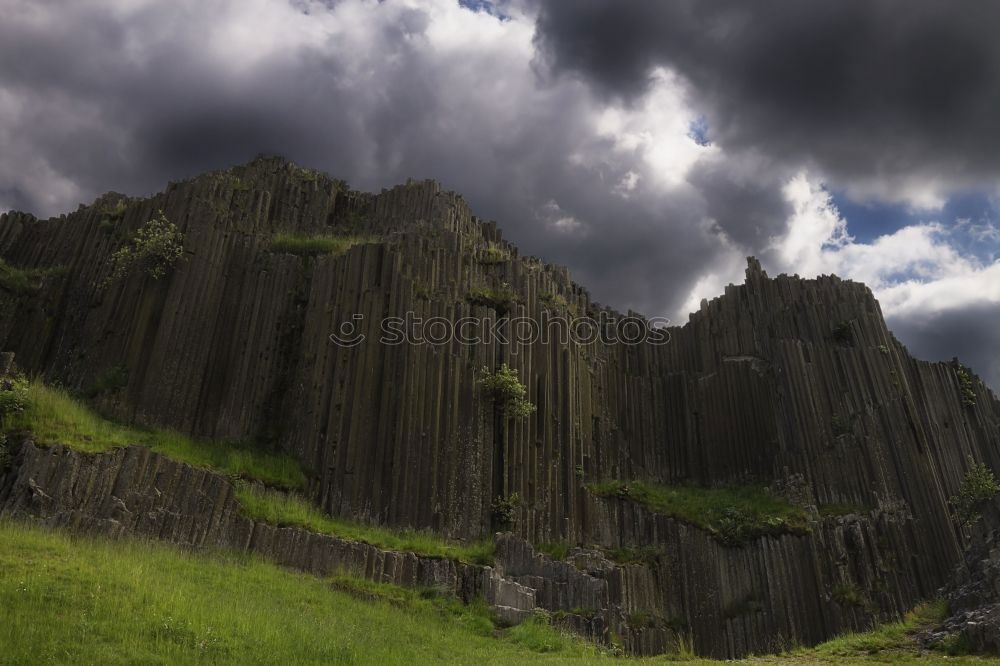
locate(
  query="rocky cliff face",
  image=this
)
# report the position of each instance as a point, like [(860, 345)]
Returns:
[(786, 382)]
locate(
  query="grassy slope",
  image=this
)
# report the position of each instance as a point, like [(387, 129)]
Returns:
[(76, 600), (66, 600), (54, 417)]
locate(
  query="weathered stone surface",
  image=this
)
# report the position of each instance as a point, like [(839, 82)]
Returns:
[(135, 492), (973, 593), (778, 379)]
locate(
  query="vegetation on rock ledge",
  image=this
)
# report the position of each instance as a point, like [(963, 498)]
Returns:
[(154, 248), (285, 509), (24, 281), (319, 244), (54, 417), (733, 515), (507, 391), (966, 392), (978, 488), (502, 298)]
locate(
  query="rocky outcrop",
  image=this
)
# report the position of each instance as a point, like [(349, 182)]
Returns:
[(973, 594), (777, 379)]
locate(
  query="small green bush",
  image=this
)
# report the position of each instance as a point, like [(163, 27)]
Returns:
[(154, 248), (508, 393), (494, 253), (115, 211), (843, 334), (504, 511), (849, 594), (978, 488), (13, 397), (966, 392)]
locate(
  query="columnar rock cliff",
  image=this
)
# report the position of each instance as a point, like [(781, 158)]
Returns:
[(792, 383)]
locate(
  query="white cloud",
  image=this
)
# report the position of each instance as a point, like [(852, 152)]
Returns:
[(656, 130), (917, 271)]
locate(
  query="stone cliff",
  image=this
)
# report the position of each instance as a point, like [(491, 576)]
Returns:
[(790, 383)]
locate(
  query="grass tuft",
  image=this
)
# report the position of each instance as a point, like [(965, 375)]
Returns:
[(557, 550)]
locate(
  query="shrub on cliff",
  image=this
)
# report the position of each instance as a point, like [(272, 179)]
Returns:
[(154, 248), (965, 386), (13, 396), (508, 393), (504, 511), (978, 487)]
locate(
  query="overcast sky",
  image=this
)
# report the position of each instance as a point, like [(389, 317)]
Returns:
[(649, 146)]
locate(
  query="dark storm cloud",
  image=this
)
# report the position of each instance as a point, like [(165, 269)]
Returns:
[(969, 333), (98, 96), (860, 88), (127, 100)]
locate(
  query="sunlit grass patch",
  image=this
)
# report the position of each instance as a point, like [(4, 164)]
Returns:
[(74, 600)]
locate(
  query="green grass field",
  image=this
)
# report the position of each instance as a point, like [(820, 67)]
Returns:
[(70, 600), (78, 600)]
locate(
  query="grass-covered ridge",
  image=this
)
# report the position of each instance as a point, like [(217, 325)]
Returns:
[(290, 510), (68, 600), (732, 514), (55, 417), (319, 244)]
